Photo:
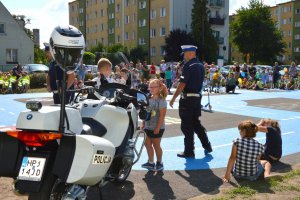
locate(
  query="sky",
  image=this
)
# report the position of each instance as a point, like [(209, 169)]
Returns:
[(47, 14)]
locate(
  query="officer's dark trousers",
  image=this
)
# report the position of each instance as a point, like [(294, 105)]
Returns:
[(189, 112)]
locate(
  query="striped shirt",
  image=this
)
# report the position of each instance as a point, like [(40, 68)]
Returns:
[(248, 150)]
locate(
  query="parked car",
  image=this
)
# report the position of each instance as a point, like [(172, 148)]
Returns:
[(35, 68), (263, 67), (93, 69)]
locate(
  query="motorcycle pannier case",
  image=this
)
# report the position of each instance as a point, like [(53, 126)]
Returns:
[(11, 152), (83, 159)]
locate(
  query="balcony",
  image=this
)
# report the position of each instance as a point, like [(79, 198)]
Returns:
[(216, 21), (216, 3)]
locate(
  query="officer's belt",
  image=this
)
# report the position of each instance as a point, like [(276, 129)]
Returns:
[(185, 95)]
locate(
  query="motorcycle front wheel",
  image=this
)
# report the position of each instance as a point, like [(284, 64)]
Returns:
[(123, 175)]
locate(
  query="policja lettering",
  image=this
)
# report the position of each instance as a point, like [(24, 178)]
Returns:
[(101, 159)]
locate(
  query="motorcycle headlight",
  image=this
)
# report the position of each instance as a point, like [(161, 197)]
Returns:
[(34, 105)]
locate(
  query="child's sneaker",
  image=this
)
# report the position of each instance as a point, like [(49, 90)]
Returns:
[(148, 165), (159, 166)]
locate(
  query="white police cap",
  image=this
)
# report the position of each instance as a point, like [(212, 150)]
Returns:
[(188, 48)]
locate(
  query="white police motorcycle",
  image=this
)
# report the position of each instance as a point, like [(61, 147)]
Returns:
[(57, 152)]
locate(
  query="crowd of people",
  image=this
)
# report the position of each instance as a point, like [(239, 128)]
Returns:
[(249, 77), (14, 81)]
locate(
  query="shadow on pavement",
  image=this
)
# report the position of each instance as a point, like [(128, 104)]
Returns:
[(112, 191), (204, 180), (158, 186)]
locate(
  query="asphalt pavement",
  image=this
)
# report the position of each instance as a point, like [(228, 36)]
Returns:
[(188, 178)]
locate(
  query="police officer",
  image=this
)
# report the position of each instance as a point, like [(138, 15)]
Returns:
[(189, 88), (54, 79)]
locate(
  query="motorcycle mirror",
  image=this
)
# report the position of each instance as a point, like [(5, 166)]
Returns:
[(142, 98)]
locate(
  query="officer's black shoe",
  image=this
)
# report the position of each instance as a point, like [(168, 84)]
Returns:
[(208, 150), (185, 155)]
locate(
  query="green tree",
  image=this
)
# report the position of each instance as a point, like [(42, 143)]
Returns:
[(138, 53), (40, 55), (202, 32), (88, 58), (173, 41), (254, 32), (98, 48)]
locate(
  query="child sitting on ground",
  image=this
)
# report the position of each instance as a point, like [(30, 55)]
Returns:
[(273, 147), (245, 154)]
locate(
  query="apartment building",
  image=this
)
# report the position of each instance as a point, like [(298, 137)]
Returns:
[(143, 22)]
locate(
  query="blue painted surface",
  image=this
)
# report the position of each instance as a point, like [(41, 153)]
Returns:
[(221, 139)]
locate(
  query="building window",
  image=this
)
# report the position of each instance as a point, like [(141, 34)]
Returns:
[(127, 19), (153, 14), (290, 44), (96, 29), (101, 27), (81, 23), (152, 32), (80, 10), (284, 21), (118, 39), (297, 11), (142, 22), (2, 29), (133, 35), (297, 37), (142, 4), (87, 30), (290, 33), (126, 3), (118, 23), (163, 12), (162, 31), (111, 16), (296, 49), (126, 36), (297, 24), (111, 1), (133, 17), (11, 56), (162, 50), (96, 14), (152, 51), (141, 41), (118, 8), (102, 12), (111, 30)]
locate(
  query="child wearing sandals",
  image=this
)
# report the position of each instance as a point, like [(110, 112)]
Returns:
[(155, 126), (245, 155), (273, 147)]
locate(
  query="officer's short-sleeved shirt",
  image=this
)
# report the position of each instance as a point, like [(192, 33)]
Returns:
[(192, 76), (55, 73)]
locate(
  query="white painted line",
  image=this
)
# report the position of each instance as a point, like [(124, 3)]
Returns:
[(228, 144)]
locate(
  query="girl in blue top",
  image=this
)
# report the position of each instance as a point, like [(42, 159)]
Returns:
[(155, 126)]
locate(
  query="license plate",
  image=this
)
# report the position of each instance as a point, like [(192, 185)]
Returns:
[(32, 169)]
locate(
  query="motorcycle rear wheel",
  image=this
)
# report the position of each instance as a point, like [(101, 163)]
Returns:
[(52, 189)]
